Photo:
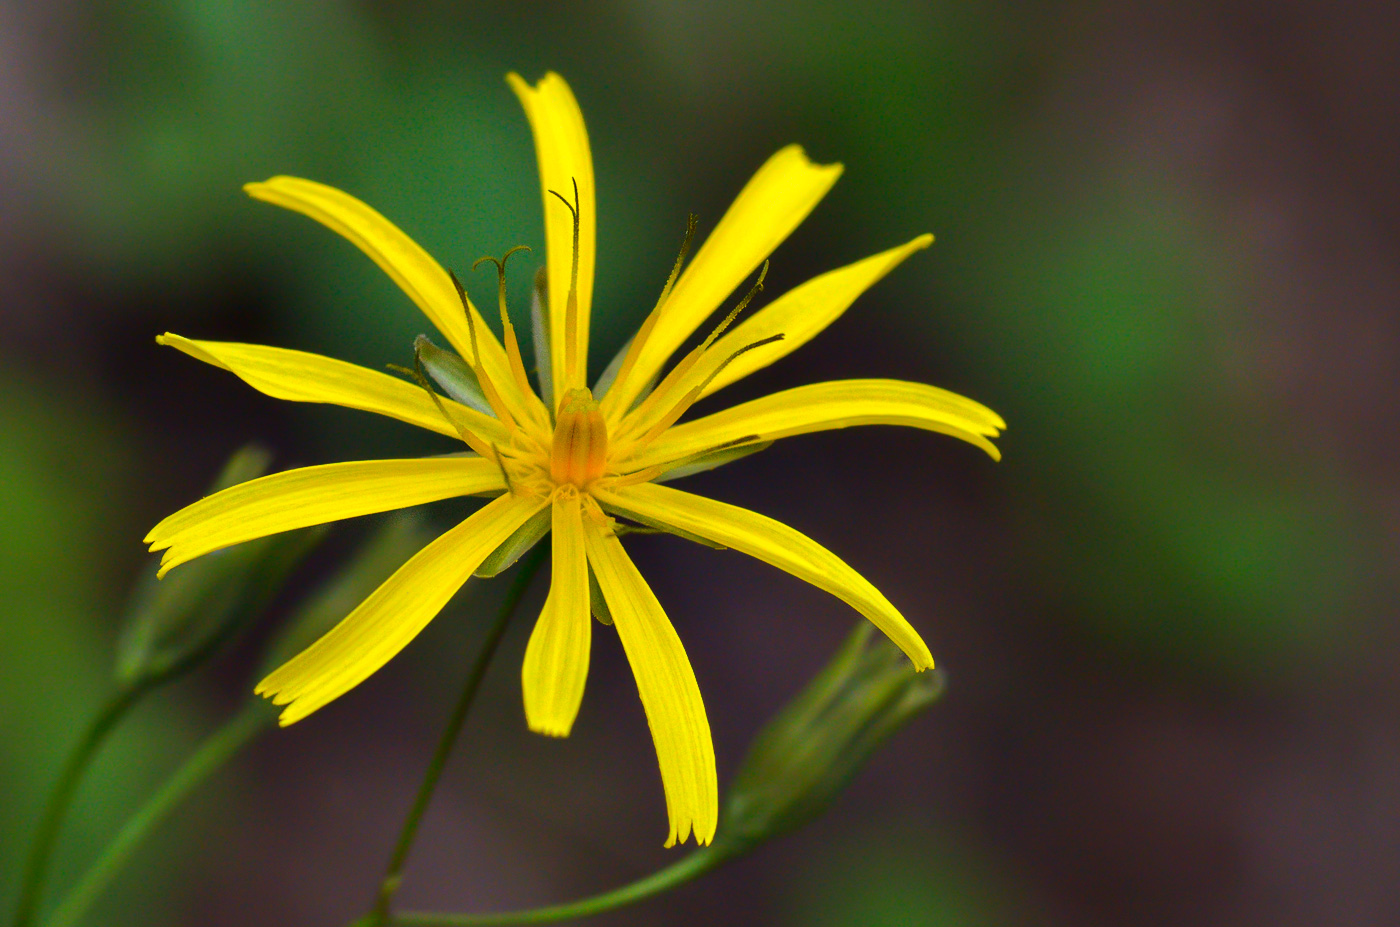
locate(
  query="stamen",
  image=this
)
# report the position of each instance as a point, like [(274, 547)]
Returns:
[(639, 341), (500, 462), (571, 303), (743, 304), (771, 339), (579, 453), (517, 362), (487, 387), (693, 395), (668, 383), (421, 377)]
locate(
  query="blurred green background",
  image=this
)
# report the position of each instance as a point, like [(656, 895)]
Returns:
[(1167, 254)]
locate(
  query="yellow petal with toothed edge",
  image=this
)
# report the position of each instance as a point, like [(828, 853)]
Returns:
[(384, 623), (667, 687), (561, 147), (556, 659), (399, 256), (824, 406), (772, 542), (799, 315), (315, 496), (302, 377), (785, 189)]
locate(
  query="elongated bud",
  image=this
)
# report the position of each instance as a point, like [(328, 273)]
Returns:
[(810, 750), (187, 615), (580, 453), (454, 375)]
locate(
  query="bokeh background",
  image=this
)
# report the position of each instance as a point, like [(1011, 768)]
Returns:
[(1167, 254)]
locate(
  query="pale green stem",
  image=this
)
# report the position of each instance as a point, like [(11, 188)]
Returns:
[(696, 864), (212, 754), (37, 865)]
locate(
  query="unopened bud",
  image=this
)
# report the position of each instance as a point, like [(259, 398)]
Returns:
[(188, 614), (452, 374), (802, 759)]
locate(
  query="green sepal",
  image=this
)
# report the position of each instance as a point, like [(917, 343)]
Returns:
[(712, 460), (658, 526), (609, 374), (453, 374), (596, 603), (515, 546)]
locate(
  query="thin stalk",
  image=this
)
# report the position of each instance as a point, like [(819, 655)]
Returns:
[(112, 711), (37, 865), (213, 753), (696, 864), (393, 874)]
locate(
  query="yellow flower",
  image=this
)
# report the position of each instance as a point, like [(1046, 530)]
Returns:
[(566, 459)]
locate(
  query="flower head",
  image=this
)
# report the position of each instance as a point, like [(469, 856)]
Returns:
[(565, 458)]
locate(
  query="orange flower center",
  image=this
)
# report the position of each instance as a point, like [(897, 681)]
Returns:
[(580, 453)]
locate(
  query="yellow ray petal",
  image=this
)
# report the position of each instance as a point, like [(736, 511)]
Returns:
[(774, 332), (302, 377), (799, 315), (561, 147), (667, 686), (824, 406), (785, 189), (772, 542), (314, 496), (399, 256), (556, 659), (394, 613)]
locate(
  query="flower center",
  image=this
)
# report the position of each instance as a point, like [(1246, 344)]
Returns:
[(580, 451)]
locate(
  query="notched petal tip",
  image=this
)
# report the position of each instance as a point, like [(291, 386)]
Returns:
[(798, 151), (549, 728)]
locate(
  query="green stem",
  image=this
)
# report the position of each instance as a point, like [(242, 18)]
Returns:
[(37, 865), (393, 874), (213, 753), (116, 707), (696, 864)]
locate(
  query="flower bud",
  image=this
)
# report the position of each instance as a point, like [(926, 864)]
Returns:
[(187, 615), (802, 759), (452, 374)]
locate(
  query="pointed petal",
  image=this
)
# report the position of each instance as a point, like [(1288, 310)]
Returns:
[(556, 659), (824, 406), (315, 496), (302, 377), (383, 624), (799, 315), (561, 146), (785, 189), (772, 542), (399, 256), (667, 686)]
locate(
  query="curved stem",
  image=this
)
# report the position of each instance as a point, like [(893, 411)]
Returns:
[(393, 874), (37, 864), (212, 754), (678, 873), (115, 708)]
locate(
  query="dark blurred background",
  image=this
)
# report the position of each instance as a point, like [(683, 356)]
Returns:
[(1167, 242)]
